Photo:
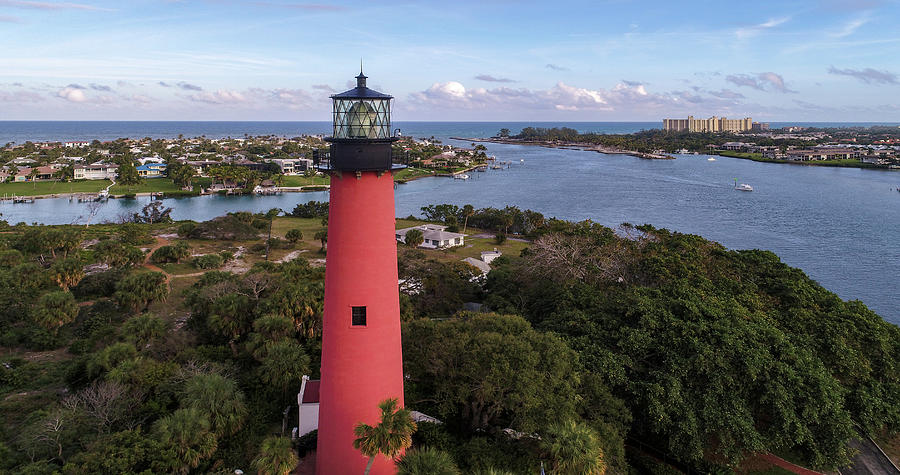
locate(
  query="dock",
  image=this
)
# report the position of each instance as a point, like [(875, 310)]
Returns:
[(16, 199)]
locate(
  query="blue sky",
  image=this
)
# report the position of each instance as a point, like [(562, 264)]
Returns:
[(829, 60)]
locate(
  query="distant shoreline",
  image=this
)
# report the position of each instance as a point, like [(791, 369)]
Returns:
[(570, 146)]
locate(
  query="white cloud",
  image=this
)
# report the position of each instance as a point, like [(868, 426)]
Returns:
[(72, 94), (753, 30), (761, 81), (849, 28), (222, 96), (628, 97)]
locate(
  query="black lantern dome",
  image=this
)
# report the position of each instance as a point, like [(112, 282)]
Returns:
[(361, 139)]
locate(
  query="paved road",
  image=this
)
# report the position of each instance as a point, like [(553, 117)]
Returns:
[(870, 460)]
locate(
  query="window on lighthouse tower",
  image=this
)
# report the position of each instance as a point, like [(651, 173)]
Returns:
[(358, 316)]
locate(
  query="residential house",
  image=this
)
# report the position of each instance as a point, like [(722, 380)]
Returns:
[(822, 153), (736, 146), (484, 267), (42, 173), (292, 166), (96, 171), (77, 144), (435, 236), (151, 170)]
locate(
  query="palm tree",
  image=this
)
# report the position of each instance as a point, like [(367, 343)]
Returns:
[(284, 363), (467, 210), (390, 437), (574, 449), (413, 238), (186, 433), (276, 457), (427, 461), (322, 235), (219, 399), (55, 309)]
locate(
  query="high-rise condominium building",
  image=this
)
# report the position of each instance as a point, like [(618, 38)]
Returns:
[(713, 124)]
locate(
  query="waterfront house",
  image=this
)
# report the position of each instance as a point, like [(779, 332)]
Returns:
[(822, 153), (96, 171), (737, 146), (435, 236), (40, 174), (77, 144), (292, 166), (152, 170)]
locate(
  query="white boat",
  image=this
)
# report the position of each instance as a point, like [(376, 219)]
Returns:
[(683, 151), (461, 177), (711, 159), (743, 187)]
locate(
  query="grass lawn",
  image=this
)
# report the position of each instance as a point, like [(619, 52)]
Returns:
[(148, 185), (37, 188), (180, 268), (412, 172), (300, 180), (308, 226)]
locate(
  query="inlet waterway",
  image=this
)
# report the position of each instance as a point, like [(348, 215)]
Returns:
[(840, 225)]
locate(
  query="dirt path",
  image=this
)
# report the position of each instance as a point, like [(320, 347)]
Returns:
[(160, 242)]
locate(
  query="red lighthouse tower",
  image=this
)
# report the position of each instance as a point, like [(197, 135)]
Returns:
[(362, 363)]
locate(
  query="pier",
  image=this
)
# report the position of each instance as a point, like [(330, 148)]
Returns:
[(16, 199)]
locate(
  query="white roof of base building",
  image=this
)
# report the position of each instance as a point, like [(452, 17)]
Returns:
[(431, 232)]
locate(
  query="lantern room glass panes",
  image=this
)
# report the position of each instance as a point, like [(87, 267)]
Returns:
[(362, 118)]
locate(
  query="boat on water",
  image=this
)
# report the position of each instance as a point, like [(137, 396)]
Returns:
[(683, 151), (496, 167), (481, 169), (461, 176), (711, 159), (742, 186)]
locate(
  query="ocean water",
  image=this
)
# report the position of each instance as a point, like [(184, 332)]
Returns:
[(840, 225), (43, 131)]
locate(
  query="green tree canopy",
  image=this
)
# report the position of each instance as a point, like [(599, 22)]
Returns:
[(488, 370)]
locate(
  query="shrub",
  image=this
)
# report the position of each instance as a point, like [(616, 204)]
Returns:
[(134, 234), (185, 229), (10, 258), (229, 227), (173, 253), (307, 443), (500, 238), (260, 223), (208, 261), (294, 235)]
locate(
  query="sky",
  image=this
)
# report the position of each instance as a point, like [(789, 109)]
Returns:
[(458, 60)]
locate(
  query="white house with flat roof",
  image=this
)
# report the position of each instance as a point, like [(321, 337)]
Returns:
[(95, 171), (292, 166), (435, 236)]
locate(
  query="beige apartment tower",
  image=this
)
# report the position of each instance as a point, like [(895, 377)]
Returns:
[(713, 124)]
